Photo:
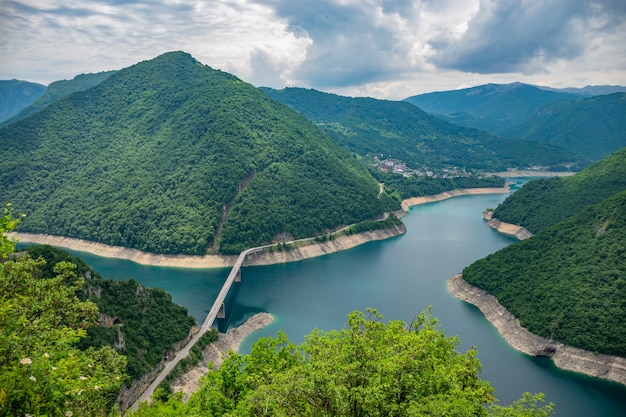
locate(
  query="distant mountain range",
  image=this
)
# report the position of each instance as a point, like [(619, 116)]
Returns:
[(492, 107), (57, 90), (590, 90), (594, 126), (574, 119), (397, 129), (16, 94)]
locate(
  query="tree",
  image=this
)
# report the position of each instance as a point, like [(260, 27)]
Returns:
[(41, 370), (371, 368)]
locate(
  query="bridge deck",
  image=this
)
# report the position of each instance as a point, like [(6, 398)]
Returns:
[(206, 325)]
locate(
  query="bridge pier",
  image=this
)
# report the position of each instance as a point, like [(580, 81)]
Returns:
[(221, 314), (238, 276)]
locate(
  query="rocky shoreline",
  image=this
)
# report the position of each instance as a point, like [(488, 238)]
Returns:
[(295, 254), (508, 229), (612, 368), (414, 201), (214, 353)]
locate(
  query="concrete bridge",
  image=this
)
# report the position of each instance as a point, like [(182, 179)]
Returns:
[(216, 311)]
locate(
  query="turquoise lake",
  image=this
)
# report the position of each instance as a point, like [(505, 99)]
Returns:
[(399, 277)]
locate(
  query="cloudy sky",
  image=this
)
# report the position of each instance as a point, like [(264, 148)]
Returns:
[(379, 48)]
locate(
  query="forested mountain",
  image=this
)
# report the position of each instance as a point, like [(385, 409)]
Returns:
[(546, 202), (171, 156), (60, 89), (593, 127), (492, 107), (568, 282), (399, 129), (589, 90), (16, 94), (140, 323)]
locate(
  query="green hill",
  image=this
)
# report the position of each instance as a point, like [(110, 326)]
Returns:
[(59, 89), (401, 130), (568, 282), (492, 107), (171, 156), (17, 94), (546, 202), (141, 323), (593, 127)]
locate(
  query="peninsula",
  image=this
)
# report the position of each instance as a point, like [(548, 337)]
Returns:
[(612, 368)]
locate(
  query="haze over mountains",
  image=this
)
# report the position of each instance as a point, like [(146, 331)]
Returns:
[(367, 126), (569, 118), (16, 94)]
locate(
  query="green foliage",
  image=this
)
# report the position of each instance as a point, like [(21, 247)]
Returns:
[(568, 282), (42, 372), (593, 127), (276, 198), (17, 94), (159, 156), (141, 323), (416, 186), (492, 107), (403, 131), (371, 225), (191, 361), (59, 89), (371, 368), (542, 203), (8, 223)]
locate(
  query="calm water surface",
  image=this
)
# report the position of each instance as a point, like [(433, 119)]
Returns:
[(399, 277)]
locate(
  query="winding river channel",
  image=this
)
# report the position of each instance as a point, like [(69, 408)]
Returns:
[(399, 277)]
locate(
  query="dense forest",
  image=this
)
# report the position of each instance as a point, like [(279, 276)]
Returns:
[(59, 89), (400, 130), (141, 323), (401, 188), (593, 127), (166, 154), (545, 202), (568, 282), (492, 107), (369, 368), (17, 94)]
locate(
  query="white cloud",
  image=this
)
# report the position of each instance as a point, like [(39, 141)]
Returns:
[(383, 48)]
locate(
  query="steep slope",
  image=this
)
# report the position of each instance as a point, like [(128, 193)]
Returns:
[(16, 94), (492, 107), (160, 154), (399, 129), (141, 323), (546, 202), (568, 282), (589, 90), (593, 127), (59, 89)]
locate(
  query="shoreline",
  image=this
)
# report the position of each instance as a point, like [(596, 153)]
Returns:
[(612, 368), (513, 173), (214, 352), (416, 201), (509, 229), (263, 258)]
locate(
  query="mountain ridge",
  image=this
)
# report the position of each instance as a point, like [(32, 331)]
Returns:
[(148, 158)]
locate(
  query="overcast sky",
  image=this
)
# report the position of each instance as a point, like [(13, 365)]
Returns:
[(379, 48)]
